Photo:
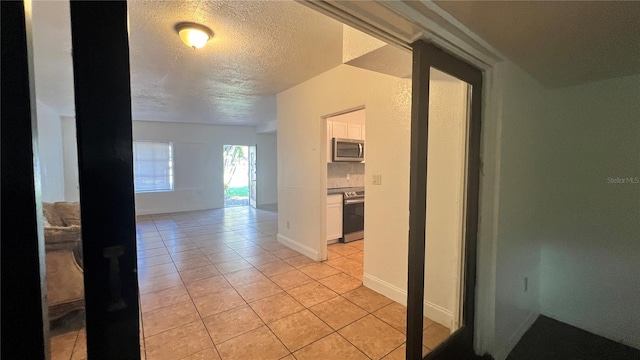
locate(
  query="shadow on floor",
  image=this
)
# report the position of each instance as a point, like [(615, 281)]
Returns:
[(550, 339), (269, 207)]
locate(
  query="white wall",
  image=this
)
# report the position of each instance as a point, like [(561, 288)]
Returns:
[(387, 101), (509, 196), (557, 220), (510, 189), (50, 153), (70, 156), (267, 168), (445, 197), (590, 244), (302, 169), (198, 169)]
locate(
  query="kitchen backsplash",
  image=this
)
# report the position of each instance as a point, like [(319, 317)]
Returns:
[(337, 175)]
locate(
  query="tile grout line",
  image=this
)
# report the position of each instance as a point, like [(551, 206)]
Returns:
[(335, 331)]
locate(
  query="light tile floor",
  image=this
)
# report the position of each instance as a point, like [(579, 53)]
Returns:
[(216, 284)]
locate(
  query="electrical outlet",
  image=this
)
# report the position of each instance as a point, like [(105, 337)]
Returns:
[(288, 225), (526, 284), (348, 176)]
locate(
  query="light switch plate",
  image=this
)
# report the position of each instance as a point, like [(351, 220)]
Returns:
[(377, 179)]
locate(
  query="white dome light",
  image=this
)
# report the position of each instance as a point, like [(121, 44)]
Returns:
[(194, 35)]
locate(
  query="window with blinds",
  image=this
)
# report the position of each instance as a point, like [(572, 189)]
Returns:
[(152, 166)]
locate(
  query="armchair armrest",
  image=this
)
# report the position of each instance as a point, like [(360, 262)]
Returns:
[(62, 237)]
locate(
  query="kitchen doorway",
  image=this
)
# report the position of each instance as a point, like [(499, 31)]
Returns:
[(236, 169)]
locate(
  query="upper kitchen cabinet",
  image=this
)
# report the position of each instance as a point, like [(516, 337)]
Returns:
[(349, 125), (340, 129), (354, 131)]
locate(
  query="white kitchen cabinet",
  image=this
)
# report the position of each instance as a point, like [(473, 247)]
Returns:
[(334, 217), (354, 131), (343, 130), (340, 130)]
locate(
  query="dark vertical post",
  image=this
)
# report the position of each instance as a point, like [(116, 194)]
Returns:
[(24, 321), (418, 198), (105, 163), (473, 199)]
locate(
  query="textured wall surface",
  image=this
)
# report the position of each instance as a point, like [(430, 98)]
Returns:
[(70, 155), (445, 196), (517, 245), (50, 152), (198, 168), (267, 167), (590, 244), (302, 164)]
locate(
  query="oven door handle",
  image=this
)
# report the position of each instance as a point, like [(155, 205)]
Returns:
[(360, 151), (354, 201)]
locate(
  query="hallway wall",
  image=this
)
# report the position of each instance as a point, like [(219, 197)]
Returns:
[(267, 163), (590, 244), (511, 190), (70, 155), (302, 167), (198, 169), (50, 152)]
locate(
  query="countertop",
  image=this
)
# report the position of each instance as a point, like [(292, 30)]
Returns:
[(332, 191)]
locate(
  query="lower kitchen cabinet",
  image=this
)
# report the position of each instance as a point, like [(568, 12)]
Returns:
[(334, 217)]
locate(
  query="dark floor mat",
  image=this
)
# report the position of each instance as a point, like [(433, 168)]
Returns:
[(550, 339)]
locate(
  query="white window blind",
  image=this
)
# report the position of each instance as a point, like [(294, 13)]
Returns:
[(153, 166)]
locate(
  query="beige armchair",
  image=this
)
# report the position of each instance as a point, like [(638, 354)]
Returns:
[(63, 245)]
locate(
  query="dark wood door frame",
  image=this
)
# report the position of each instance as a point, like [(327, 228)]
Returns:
[(460, 344), (24, 318), (102, 89), (103, 119)]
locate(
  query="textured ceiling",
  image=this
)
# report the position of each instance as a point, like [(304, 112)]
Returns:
[(260, 48), (263, 47), (560, 43)]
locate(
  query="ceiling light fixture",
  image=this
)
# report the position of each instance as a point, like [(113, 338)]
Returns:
[(194, 35)]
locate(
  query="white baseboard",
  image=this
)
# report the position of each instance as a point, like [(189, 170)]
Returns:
[(389, 290), (432, 311), (617, 334), (438, 314), (140, 212), (501, 354), (333, 241), (301, 248)]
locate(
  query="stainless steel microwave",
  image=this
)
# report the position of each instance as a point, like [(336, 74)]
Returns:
[(348, 150)]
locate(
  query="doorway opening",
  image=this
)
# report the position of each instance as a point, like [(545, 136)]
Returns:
[(237, 168), (169, 232)]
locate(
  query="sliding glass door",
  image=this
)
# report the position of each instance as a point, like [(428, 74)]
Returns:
[(445, 139), (49, 276), (99, 32)]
